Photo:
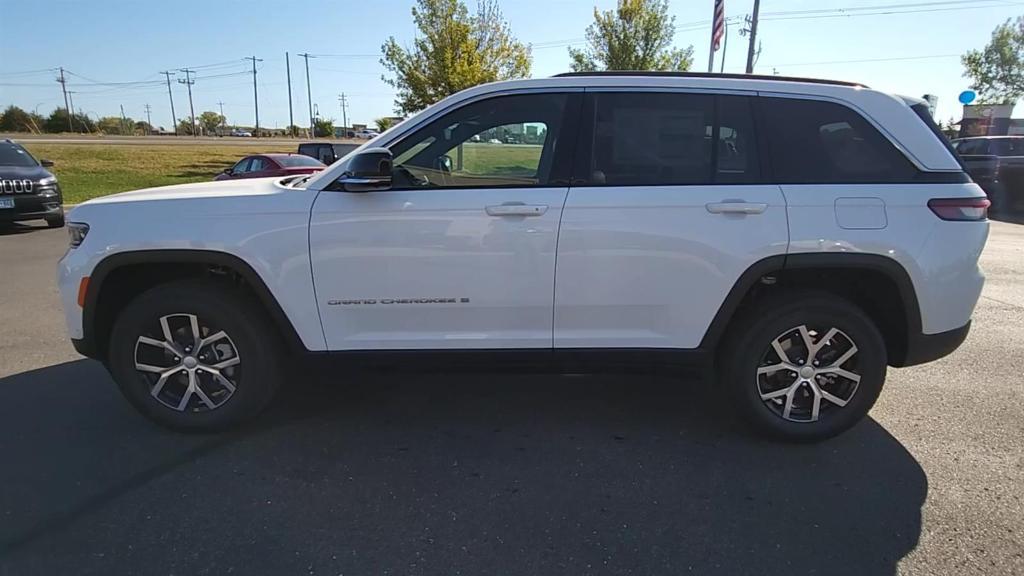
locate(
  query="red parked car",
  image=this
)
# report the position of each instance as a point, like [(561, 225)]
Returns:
[(267, 165)]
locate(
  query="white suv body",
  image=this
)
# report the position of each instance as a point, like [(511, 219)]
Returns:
[(647, 215)]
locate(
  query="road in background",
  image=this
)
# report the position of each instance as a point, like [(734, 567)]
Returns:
[(507, 474), (168, 140)]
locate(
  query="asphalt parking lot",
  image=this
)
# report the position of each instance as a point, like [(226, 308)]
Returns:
[(506, 474)]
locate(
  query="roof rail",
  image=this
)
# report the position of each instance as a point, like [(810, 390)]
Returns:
[(657, 73)]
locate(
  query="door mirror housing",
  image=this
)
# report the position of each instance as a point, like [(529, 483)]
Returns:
[(45, 163), (368, 171), (229, 171), (444, 163)]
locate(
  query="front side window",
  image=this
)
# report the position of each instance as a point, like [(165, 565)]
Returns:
[(508, 141), (257, 165), (816, 142)]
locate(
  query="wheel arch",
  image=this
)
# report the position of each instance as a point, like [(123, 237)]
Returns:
[(879, 284), (97, 312)]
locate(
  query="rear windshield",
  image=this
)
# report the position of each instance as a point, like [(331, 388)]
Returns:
[(14, 155), (297, 160)]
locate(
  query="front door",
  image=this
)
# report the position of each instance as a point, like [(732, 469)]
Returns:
[(667, 210), (460, 252)]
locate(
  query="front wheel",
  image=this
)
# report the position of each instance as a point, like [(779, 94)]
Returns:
[(804, 366), (195, 355)]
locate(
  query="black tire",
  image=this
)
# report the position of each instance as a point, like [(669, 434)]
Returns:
[(749, 346), (252, 339), (55, 221)]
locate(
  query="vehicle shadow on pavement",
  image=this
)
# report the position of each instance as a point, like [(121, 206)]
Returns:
[(12, 228), (443, 474)]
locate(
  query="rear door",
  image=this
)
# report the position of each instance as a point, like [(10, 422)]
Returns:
[(666, 211)]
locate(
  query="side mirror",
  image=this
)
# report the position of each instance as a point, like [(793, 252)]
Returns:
[(45, 163), (368, 171), (444, 163), (229, 170)]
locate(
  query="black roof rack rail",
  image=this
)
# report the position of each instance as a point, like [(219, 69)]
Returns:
[(710, 75)]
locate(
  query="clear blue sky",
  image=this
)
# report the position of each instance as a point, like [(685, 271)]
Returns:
[(127, 41)]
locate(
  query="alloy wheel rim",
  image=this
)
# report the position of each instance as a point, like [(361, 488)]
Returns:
[(188, 365), (808, 373)]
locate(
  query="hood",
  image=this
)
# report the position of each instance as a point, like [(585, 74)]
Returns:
[(34, 173), (200, 190)]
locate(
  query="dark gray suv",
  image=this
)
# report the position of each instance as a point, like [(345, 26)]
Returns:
[(28, 191)]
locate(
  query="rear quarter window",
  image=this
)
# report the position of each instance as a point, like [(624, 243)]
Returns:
[(816, 142)]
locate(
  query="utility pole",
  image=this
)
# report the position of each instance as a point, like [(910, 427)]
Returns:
[(174, 119), (124, 121), (149, 121), (67, 108), (309, 94), (188, 81), (288, 69), (753, 37), (344, 110), (255, 96), (71, 114), (223, 118)]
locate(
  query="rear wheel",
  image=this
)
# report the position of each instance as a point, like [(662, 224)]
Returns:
[(195, 355), (804, 366)]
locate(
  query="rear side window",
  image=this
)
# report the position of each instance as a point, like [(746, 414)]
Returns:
[(664, 139), (1007, 147), (827, 143)]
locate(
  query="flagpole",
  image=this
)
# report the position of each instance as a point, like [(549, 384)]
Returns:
[(711, 45), (725, 46)]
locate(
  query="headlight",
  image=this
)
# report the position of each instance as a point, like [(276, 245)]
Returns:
[(48, 181), (77, 232)]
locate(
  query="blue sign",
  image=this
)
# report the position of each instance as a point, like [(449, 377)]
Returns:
[(967, 96)]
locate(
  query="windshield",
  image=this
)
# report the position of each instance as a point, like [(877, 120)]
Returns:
[(14, 155), (298, 160)]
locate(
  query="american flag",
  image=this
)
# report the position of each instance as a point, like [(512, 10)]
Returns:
[(718, 25)]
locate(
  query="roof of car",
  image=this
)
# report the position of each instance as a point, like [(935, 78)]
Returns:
[(1004, 137)]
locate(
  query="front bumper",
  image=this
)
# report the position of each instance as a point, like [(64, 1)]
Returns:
[(31, 207), (922, 348)]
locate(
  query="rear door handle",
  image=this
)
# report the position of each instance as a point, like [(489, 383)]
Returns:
[(736, 207), (517, 209)]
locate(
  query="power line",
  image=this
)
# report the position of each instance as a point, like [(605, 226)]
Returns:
[(894, 59)]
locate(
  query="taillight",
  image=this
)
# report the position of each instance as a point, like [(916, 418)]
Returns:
[(960, 209)]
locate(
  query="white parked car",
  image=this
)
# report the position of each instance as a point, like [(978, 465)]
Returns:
[(794, 236), (367, 134)]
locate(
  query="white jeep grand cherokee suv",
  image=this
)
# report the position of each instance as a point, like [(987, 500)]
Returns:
[(797, 236)]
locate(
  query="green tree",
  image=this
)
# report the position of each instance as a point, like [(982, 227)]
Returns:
[(57, 122), (997, 71), (142, 128), (185, 127), (384, 123), (14, 119), (454, 50), (210, 121), (294, 130), (324, 127), (637, 35)]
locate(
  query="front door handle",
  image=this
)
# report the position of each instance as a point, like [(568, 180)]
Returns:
[(517, 209), (736, 207)]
